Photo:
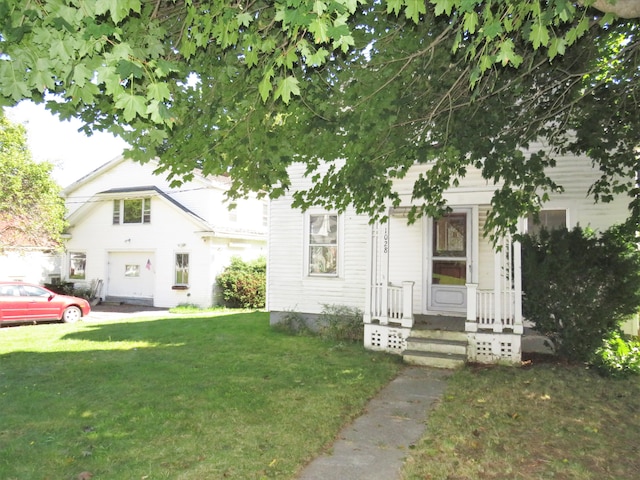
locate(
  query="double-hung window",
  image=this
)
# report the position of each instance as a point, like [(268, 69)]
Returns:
[(547, 220), (132, 210), (323, 244), (182, 269), (77, 265)]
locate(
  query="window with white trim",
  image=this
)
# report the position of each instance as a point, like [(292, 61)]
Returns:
[(182, 269), (323, 245), (547, 220), (132, 210), (77, 265)]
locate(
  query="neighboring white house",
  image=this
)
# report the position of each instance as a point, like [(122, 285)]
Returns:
[(440, 274), (148, 243), (25, 258)]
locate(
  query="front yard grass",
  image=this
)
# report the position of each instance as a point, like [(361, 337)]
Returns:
[(227, 397), (545, 421), (211, 397)]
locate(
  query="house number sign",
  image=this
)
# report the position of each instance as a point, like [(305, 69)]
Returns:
[(385, 244)]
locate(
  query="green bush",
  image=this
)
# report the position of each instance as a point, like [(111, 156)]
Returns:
[(618, 356), (342, 323), (243, 284), (580, 286)]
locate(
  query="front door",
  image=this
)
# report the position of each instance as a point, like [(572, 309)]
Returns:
[(448, 261)]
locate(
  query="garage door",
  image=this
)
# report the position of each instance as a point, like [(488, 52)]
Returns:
[(131, 276)]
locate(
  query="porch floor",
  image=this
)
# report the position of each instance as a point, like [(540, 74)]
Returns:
[(439, 322)]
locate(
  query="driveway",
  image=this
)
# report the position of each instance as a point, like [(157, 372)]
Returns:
[(115, 311)]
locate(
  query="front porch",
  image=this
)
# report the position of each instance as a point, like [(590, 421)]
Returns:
[(489, 331), (442, 341)]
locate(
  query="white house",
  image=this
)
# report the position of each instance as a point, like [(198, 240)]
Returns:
[(435, 291), (142, 241), (25, 258)]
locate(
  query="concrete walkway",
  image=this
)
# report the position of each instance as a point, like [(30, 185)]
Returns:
[(375, 445)]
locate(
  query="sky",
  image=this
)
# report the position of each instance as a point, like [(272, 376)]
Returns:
[(72, 153)]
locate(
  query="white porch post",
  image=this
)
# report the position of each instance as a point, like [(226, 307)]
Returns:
[(498, 287), (371, 268), (517, 284), (407, 304), (377, 290), (471, 322), (383, 274)]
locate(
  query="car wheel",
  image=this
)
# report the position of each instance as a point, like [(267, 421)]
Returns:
[(71, 314)]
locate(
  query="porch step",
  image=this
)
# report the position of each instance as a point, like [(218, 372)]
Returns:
[(434, 359), (436, 348), (437, 345), (417, 332)]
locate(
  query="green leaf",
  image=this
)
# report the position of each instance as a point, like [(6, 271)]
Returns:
[(120, 51), (12, 86), (394, 6), (414, 8), (539, 35), (557, 47), (493, 29), (265, 87), (111, 80), (287, 87), (132, 105), (159, 113), (251, 57), (470, 22), (244, 19), (158, 91), (318, 58), (127, 69), (443, 6), (319, 28), (62, 49), (505, 53), (344, 43), (163, 68), (287, 59), (319, 7), (85, 94), (117, 9)]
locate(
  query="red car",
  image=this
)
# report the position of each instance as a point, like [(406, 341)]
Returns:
[(21, 302)]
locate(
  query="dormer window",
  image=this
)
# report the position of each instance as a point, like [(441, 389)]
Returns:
[(132, 210)]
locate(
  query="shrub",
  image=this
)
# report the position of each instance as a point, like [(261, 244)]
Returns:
[(618, 356), (579, 286), (342, 323), (243, 284)]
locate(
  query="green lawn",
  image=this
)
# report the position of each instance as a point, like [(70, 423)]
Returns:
[(542, 422), (228, 397), (180, 398)]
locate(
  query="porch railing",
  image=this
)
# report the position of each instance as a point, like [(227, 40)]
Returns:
[(495, 311), (392, 303)]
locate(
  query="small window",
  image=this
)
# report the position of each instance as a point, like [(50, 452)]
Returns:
[(323, 244), (132, 270), (182, 269), (77, 265), (132, 210), (116, 212), (547, 220)]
